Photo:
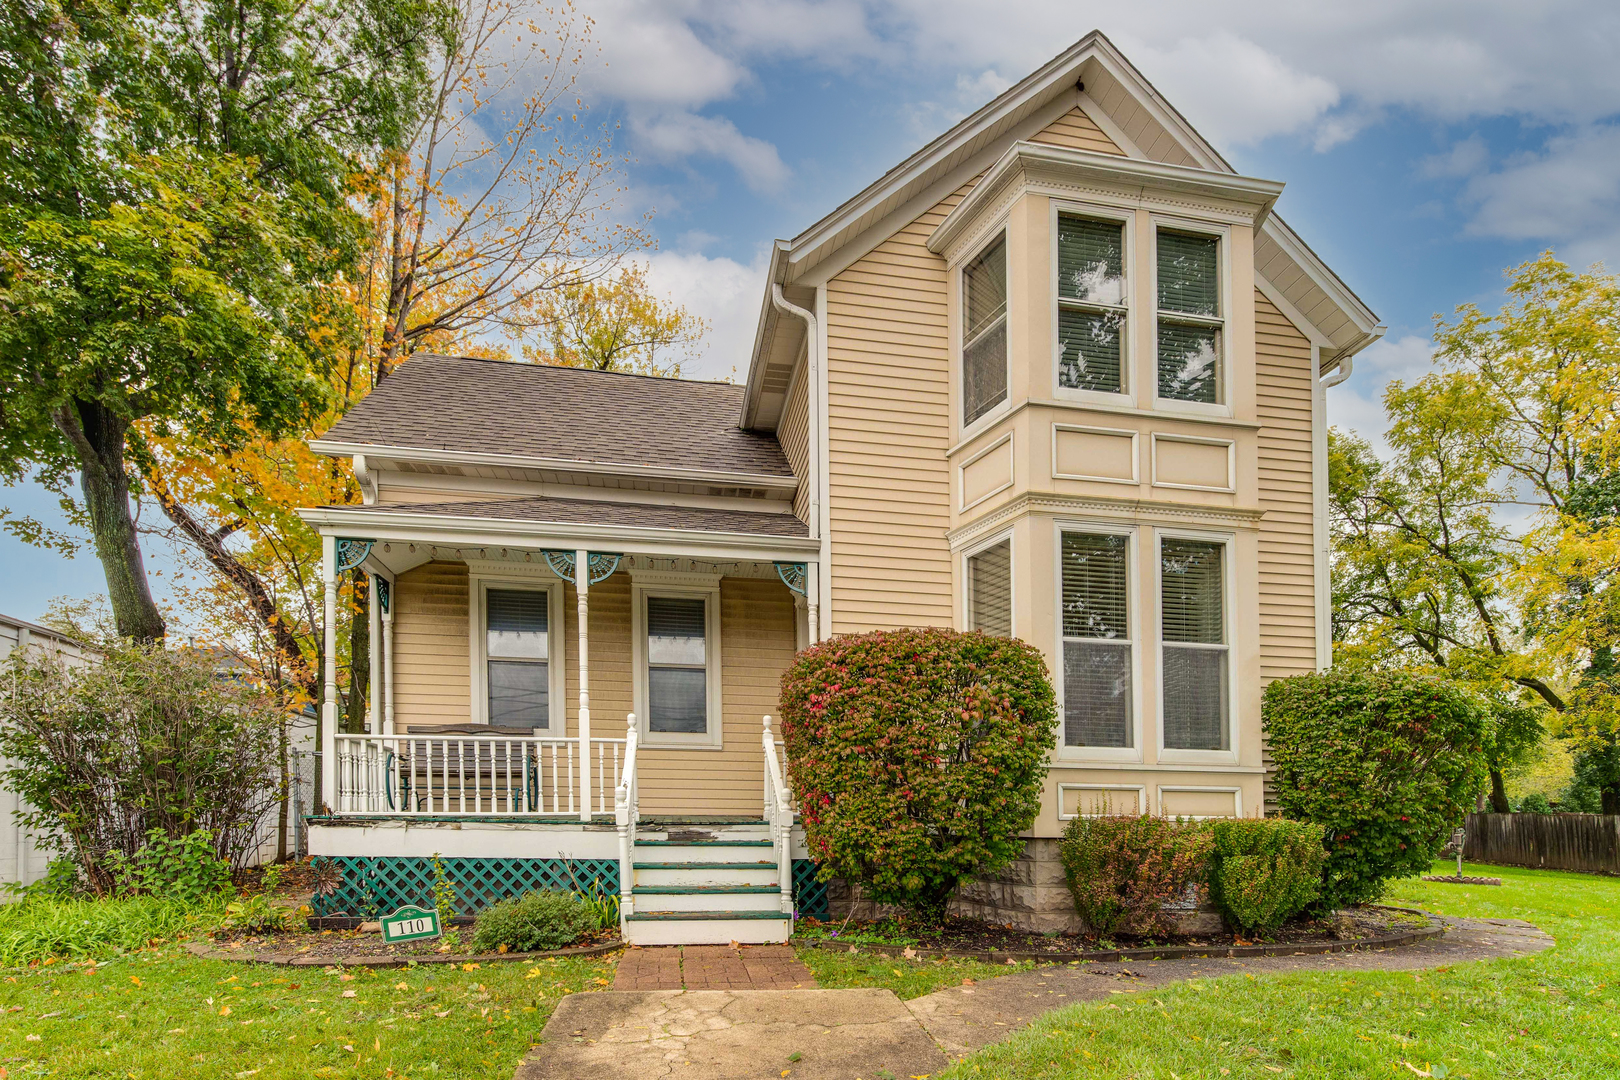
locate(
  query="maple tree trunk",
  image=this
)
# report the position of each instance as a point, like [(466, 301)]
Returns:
[(97, 437), (1499, 798)]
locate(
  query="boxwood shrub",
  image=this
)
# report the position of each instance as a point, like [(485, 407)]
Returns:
[(1264, 871), (1387, 762), (917, 757), (535, 921)]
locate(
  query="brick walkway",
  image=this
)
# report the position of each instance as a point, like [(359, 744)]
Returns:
[(712, 967)]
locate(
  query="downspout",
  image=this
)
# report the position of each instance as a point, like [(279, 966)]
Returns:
[(818, 531), (1346, 365)]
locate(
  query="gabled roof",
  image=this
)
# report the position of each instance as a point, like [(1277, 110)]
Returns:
[(495, 411), (1092, 75)]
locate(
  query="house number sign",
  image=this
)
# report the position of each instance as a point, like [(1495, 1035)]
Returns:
[(411, 923)]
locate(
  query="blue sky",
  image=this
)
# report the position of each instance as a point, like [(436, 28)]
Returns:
[(1425, 146)]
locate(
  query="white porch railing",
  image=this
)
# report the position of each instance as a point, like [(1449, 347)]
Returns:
[(626, 813), (779, 815), (474, 775)]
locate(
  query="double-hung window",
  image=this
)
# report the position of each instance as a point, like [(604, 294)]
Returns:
[(1097, 652), (984, 331), (677, 664), (1190, 320), (1091, 304), (989, 589), (1196, 655), (517, 657)]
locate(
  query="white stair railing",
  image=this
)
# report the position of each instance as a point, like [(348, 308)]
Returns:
[(625, 815), (779, 815)]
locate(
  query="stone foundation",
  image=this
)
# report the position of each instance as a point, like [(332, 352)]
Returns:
[(1030, 893)]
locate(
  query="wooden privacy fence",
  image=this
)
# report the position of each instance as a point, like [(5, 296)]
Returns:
[(1589, 842)]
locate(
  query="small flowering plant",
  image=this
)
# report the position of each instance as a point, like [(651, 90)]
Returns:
[(917, 757)]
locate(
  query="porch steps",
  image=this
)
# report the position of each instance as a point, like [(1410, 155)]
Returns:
[(706, 889)]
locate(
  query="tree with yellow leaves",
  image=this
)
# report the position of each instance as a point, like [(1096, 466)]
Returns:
[(616, 324)]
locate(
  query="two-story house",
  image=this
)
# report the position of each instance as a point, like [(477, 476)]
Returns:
[(1059, 374)]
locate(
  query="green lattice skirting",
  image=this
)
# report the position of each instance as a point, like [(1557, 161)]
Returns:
[(373, 886), (379, 885)]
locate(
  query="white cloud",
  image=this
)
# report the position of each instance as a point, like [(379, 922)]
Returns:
[(1358, 403), (1569, 192), (1466, 157), (722, 291), (676, 136), (1234, 91)]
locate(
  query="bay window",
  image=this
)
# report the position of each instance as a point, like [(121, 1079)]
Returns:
[(984, 331), (1097, 648), (1190, 321), (1196, 656), (1091, 304), (989, 589)]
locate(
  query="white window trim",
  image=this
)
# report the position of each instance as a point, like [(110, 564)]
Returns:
[(1127, 219), (1136, 459), (1236, 793), (1223, 234), (714, 737), (1197, 440), (1012, 577), (1134, 613), (1140, 789), (478, 585), (1228, 591), (998, 231)]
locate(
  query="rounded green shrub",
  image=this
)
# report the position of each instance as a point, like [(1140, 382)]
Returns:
[(533, 922), (1264, 871), (917, 757), (1122, 870), (1387, 762)]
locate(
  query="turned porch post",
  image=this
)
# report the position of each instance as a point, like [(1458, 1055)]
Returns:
[(329, 694), (582, 586), (812, 599), (374, 682), (388, 659)]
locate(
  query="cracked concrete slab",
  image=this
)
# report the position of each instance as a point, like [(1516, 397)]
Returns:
[(964, 1018), (732, 1035)]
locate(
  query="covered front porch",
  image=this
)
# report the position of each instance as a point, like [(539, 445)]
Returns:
[(553, 700)]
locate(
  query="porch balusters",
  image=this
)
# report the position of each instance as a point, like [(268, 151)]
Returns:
[(779, 814)]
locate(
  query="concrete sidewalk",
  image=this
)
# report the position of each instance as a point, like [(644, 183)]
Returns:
[(863, 1034)]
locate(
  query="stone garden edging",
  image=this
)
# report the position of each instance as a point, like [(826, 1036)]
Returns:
[(388, 960), (1434, 929)]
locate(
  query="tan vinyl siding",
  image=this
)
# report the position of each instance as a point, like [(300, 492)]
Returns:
[(888, 416), (757, 638), (431, 666), (1287, 554), (793, 432), (1077, 131)]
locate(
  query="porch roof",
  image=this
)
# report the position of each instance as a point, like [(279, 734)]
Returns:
[(550, 511)]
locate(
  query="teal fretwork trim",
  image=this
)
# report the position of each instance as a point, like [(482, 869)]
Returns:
[(809, 895), (377, 885), (602, 564), (792, 575), (561, 563), (383, 591), (351, 553)]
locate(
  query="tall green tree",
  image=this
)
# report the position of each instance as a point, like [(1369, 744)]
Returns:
[(1466, 547), (173, 219)]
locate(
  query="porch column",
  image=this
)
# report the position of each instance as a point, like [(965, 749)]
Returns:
[(374, 682), (329, 695), (812, 599), (386, 591), (582, 586)]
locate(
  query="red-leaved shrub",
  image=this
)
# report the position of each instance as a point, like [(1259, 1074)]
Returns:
[(1123, 870), (917, 757)]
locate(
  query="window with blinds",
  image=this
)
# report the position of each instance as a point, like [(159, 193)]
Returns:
[(1190, 319), (677, 665), (1096, 640), (1091, 304), (1192, 619), (989, 574), (984, 332), (517, 654)]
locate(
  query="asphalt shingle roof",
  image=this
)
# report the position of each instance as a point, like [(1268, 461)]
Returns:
[(533, 410), (593, 512)]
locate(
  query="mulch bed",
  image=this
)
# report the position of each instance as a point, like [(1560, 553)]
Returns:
[(320, 948), (1365, 927)]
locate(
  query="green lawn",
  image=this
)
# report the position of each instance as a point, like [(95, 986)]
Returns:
[(907, 978), (1556, 1014), (162, 1014)]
